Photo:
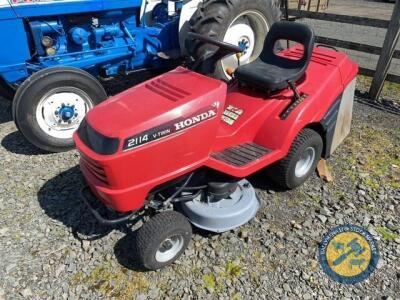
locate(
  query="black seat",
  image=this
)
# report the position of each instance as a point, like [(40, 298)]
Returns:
[(271, 72)]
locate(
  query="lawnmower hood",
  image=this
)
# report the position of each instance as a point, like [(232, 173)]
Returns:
[(153, 110)]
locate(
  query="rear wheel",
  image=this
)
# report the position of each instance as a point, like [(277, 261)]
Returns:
[(49, 106), (239, 22), (301, 161), (163, 239)]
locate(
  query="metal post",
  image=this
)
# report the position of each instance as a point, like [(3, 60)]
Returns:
[(389, 46)]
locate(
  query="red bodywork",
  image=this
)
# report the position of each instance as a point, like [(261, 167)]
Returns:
[(123, 180)]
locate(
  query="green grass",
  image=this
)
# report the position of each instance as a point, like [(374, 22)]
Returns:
[(375, 153), (386, 233), (390, 90), (209, 281), (233, 270), (217, 281), (111, 282)]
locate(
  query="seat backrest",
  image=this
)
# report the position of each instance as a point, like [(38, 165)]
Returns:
[(285, 30)]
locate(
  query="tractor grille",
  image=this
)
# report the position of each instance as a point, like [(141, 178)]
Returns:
[(166, 90), (241, 155), (95, 170)]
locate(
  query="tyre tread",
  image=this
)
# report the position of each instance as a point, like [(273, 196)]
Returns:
[(162, 222), (211, 15), (22, 102), (280, 171)]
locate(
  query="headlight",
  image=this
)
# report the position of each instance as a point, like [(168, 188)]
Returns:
[(96, 141)]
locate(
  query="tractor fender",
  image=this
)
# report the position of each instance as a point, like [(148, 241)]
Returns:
[(188, 10)]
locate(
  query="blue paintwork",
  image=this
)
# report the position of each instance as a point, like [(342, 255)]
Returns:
[(62, 7), (103, 37), (14, 51)]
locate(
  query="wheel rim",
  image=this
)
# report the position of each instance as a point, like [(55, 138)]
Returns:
[(248, 29), (61, 110), (305, 162), (169, 248)]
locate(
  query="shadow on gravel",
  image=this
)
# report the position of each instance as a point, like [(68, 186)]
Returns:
[(124, 251), (59, 198), (260, 181), (381, 104), (16, 143), (5, 111)]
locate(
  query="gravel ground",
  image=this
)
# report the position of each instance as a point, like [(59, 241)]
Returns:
[(376, 9), (52, 248)]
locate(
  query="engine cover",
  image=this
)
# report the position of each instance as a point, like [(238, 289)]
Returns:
[(148, 135)]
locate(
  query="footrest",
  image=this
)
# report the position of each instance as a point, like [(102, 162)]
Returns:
[(241, 155)]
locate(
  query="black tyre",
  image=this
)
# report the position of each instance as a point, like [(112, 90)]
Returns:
[(234, 21), (163, 239), (6, 91), (301, 161), (49, 106)]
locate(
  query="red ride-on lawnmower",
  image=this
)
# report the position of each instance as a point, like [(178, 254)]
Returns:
[(183, 155)]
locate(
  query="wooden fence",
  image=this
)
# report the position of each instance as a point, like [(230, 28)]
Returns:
[(386, 53)]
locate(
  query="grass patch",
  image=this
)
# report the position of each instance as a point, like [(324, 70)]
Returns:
[(233, 270), (386, 233), (217, 281), (390, 90), (109, 281), (236, 296), (209, 281), (375, 153)]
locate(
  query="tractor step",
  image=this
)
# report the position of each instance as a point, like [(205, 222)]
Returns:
[(241, 155)]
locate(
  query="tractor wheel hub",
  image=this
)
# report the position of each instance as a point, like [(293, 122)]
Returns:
[(61, 110), (67, 112)]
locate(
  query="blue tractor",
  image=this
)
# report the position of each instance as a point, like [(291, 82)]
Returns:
[(55, 51)]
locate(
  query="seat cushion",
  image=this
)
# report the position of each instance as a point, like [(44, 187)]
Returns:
[(267, 76)]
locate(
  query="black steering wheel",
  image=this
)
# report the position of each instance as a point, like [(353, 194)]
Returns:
[(229, 48), (206, 64)]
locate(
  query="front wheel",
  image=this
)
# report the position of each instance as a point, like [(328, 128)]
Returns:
[(50, 105), (163, 239)]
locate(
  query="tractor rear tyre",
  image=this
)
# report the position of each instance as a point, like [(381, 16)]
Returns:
[(301, 161), (6, 91), (50, 105), (239, 22), (162, 240)]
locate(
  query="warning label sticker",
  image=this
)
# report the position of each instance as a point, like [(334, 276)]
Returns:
[(231, 114)]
